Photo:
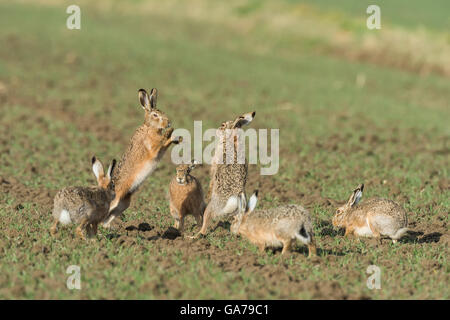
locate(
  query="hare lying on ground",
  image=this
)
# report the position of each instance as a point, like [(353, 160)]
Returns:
[(276, 227), (147, 146), (186, 196), (372, 218), (229, 169), (86, 206)]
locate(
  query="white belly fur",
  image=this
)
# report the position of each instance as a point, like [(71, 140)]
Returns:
[(272, 241), (364, 231), (143, 173)]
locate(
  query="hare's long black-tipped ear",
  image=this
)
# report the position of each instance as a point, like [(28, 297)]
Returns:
[(244, 119), (193, 164), (242, 203), (97, 168), (111, 169), (251, 205), (356, 195), (153, 98), (144, 99)]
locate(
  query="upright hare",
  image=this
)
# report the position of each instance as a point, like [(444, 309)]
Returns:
[(147, 146), (186, 196), (228, 178), (275, 227), (86, 206), (372, 218)]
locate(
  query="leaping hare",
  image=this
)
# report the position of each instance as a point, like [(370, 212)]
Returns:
[(147, 146), (275, 227), (186, 196), (85, 206), (228, 178), (375, 217)]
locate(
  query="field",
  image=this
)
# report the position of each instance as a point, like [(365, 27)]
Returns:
[(352, 105)]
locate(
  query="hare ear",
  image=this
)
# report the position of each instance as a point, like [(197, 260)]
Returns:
[(153, 98), (251, 205), (193, 164), (356, 195), (244, 119), (144, 99), (242, 203), (97, 167), (111, 169)]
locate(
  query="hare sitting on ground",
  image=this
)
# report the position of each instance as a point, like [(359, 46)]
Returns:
[(86, 206), (372, 218), (146, 148), (186, 196), (229, 169), (276, 227)]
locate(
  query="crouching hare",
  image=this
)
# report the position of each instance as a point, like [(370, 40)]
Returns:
[(372, 218), (186, 196), (276, 227), (85, 206), (146, 148)]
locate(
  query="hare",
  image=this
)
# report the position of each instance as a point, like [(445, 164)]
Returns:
[(276, 227), (372, 218), (186, 196), (85, 206), (228, 176), (146, 148)]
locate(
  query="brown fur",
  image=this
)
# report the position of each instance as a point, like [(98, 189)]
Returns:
[(86, 206), (379, 217), (186, 197), (281, 226), (146, 148), (227, 180)]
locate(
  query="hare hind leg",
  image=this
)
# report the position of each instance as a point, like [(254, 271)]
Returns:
[(206, 221), (261, 247), (287, 246), (79, 229), (175, 214), (198, 219), (54, 227), (312, 251), (116, 209), (372, 227), (91, 230)]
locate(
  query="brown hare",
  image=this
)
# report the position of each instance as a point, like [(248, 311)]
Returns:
[(276, 227), (146, 148), (228, 178), (186, 196), (372, 218), (85, 206)]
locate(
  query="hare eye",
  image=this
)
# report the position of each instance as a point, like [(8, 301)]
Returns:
[(155, 115)]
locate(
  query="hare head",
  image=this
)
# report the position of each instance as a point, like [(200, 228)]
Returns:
[(104, 181), (244, 209), (237, 123), (229, 130), (183, 171), (338, 219), (153, 117)]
